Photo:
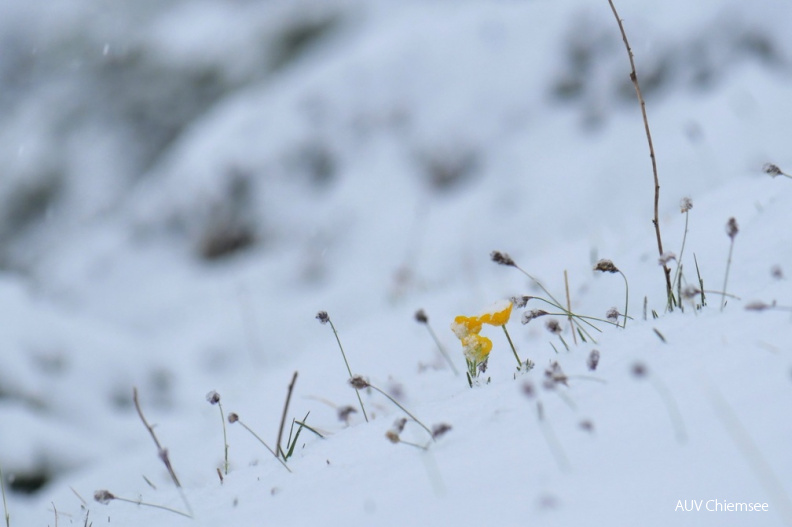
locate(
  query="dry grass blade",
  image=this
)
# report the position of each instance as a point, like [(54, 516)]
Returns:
[(283, 415)]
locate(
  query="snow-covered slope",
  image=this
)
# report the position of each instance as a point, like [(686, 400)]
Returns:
[(186, 184)]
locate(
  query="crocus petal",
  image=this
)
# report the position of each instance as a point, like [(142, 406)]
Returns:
[(476, 348), (497, 314)]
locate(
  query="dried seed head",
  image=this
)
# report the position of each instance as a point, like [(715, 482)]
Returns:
[(520, 301), (666, 257), (586, 425), (777, 273), (440, 429), (612, 314), (345, 412), (639, 370), (556, 374), (690, 292), (103, 496), (771, 169), (398, 424), (528, 389), (532, 314), (393, 436), (213, 397), (233, 418), (759, 306), (553, 326), (685, 205), (732, 228), (358, 382), (420, 317), (323, 317), (502, 258), (606, 266), (593, 360)]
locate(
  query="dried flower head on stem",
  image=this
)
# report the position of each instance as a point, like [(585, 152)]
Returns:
[(773, 170), (421, 318), (214, 398), (105, 496), (731, 230), (359, 383), (324, 318), (607, 266), (234, 418)]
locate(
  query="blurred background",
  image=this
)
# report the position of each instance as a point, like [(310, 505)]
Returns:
[(184, 183)]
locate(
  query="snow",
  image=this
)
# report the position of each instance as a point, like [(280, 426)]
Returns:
[(369, 170)]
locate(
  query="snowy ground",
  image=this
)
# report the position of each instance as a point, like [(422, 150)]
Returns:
[(186, 184)]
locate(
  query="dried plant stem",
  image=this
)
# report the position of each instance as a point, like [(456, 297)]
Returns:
[(283, 415), (583, 318), (514, 350), (626, 299), (225, 440), (403, 409), (442, 349), (161, 452), (701, 282), (726, 277), (681, 253), (655, 220), (416, 445), (349, 370), (671, 407), (552, 440), (569, 307), (254, 434), (556, 304), (152, 505), (5, 505)]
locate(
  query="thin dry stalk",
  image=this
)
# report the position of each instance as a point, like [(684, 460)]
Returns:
[(359, 383), (655, 220), (5, 505), (283, 415), (323, 317), (105, 496), (234, 418), (421, 318), (569, 307), (162, 453), (731, 230)]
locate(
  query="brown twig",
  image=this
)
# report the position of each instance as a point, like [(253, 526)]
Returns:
[(655, 220), (283, 416), (162, 453)]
